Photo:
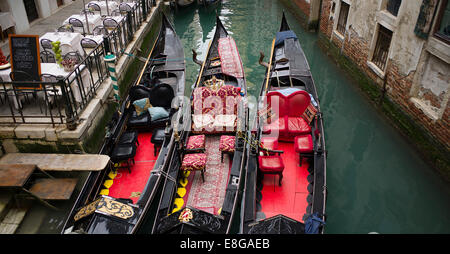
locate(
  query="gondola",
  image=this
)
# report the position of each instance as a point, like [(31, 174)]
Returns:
[(284, 190), (200, 194), (139, 143)]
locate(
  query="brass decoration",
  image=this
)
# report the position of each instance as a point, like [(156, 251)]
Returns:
[(108, 206), (214, 83), (87, 210), (186, 215), (135, 194)]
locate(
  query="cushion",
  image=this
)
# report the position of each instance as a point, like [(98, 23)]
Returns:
[(196, 142), (303, 144), (271, 164), (227, 143), (141, 105), (194, 161), (201, 121), (298, 125), (279, 125), (157, 113), (224, 121), (309, 113)]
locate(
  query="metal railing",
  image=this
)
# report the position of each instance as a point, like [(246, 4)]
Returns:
[(61, 100), (53, 99)]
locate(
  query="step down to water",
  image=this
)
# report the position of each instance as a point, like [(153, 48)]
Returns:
[(54, 189)]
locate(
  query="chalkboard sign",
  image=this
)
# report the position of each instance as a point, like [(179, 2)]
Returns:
[(24, 51)]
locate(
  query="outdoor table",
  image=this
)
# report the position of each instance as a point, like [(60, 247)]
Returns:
[(56, 70), (94, 20), (69, 41), (112, 5), (96, 38)]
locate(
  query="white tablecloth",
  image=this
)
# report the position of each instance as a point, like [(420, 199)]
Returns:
[(6, 20), (112, 5), (69, 41), (96, 38), (75, 85), (94, 20)]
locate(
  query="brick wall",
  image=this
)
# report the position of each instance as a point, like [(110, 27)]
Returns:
[(303, 6), (399, 85)]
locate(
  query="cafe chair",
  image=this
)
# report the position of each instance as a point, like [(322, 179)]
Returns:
[(23, 76), (116, 13), (46, 44), (74, 55), (95, 7), (124, 8), (110, 24), (65, 29), (77, 25), (88, 45), (100, 30), (3, 92), (47, 57), (52, 91)]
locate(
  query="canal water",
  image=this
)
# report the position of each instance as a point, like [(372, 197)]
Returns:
[(376, 182)]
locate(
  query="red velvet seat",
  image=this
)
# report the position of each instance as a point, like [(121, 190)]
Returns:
[(226, 145), (278, 126), (194, 162), (288, 110), (304, 146), (196, 143), (271, 165), (270, 143), (298, 126)]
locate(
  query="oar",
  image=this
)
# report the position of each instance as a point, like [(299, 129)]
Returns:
[(270, 65)]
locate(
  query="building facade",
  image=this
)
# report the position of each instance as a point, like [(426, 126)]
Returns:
[(25, 12), (404, 47)]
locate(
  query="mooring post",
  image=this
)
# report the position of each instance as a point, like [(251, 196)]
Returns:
[(110, 60)]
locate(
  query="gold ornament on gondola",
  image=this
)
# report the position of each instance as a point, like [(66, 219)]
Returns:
[(186, 215)]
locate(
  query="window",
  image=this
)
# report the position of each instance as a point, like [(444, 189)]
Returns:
[(381, 51), (442, 28), (393, 6), (343, 15)]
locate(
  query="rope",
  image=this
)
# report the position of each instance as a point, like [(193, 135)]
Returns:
[(164, 174)]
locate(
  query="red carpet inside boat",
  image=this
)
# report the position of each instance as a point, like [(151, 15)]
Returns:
[(209, 195), (288, 199), (126, 185)]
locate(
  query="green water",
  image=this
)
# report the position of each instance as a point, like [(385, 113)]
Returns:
[(376, 181)]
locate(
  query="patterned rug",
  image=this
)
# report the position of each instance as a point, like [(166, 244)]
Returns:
[(209, 195), (230, 59)]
